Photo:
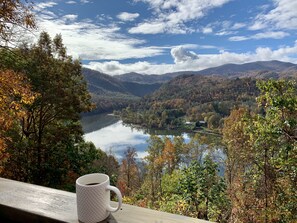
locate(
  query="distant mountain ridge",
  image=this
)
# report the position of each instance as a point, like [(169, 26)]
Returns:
[(274, 65), (100, 83), (109, 93), (258, 69), (115, 92)]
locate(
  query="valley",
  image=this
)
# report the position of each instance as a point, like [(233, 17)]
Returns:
[(171, 100)]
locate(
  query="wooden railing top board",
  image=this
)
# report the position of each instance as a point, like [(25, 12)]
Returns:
[(23, 202)]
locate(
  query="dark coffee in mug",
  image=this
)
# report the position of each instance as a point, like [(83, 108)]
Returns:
[(90, 184), (93, 198)]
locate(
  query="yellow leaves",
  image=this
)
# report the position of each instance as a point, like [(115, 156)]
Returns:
[(15, 92), (128, 200), (169, 153), (159, 161), (182, 207), (3, 154)]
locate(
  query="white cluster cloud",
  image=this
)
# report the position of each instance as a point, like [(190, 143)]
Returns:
[(181, 55), (189, 61), (171, 15), (126, 16)]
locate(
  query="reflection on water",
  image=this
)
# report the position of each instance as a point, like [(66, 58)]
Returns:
[(99, 121), (115, 137), (107, 132)]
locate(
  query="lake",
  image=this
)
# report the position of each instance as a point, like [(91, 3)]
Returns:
[(109, 133)]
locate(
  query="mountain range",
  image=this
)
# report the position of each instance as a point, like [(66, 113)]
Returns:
[(259, 69), (114, 92), (104, 84), (109, 93)]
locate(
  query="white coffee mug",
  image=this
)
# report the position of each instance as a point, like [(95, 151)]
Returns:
[(93, 197)]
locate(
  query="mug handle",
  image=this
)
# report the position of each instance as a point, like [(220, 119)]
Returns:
[(119, 195)]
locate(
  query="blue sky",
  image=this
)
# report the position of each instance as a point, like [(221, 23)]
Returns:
[(161, 36)]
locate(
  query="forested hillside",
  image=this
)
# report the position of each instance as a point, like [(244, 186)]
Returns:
[(149, 79), (259, 154), (109, 93), (43, 93), (192, 98), (116, 92)]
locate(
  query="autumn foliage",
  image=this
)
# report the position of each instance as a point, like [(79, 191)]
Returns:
[(261, 156), (15, 94), (253, 180), (14, 14)]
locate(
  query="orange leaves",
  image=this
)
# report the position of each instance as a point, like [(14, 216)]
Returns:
[(129, 179), (14, 94), (169, 155), (169, 104)]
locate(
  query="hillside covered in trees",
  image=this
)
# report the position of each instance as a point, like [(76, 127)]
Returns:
[(116, 92), (43, 92), (109, 93), (192, 98), (259, 181)]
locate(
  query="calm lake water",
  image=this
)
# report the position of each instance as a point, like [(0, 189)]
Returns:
[(108, 133)]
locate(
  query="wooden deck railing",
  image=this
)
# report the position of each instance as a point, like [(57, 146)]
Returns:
[(22, 202)]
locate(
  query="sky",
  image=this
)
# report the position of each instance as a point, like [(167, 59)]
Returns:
[(162, 36)]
